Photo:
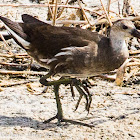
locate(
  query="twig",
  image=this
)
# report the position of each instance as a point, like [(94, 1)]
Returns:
[(115, 13), (96, 20), (108, 9), (137, 74), (102, 30), (62, 10), (30, 63), (110, 23), (55, 12), (22, 72), (119, 8), (133, 64), (70, 22), (120, 73), (135, 56), (133, 18), (29, 88), (17, 83), (134, 52), (50, 8), (1, 25), (108, 77), (135, 60), (12, 64), (15, 55), (127, 93), (84, 12), (1, 36), (132, 73)]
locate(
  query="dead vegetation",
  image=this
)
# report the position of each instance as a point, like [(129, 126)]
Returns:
[(15, 63)]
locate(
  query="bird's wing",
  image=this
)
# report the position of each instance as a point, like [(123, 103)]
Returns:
[(74, 60), (30, 19)]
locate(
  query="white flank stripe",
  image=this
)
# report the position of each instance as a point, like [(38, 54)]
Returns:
[(63, 53), (51, 60), (20, 40), (44, 60), (67, 49)]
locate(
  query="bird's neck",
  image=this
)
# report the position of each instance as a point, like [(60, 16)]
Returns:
[(118, 44)]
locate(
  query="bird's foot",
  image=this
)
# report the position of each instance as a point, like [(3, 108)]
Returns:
[(62, 119), (83, 90)]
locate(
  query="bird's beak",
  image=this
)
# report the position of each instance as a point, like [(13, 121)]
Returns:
[(135, 33)]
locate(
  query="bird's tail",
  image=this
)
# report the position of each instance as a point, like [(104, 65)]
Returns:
[(17, 32)]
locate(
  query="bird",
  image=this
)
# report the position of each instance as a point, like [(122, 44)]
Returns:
[(72, 52)]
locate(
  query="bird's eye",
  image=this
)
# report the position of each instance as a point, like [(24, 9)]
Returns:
[(125, 27)]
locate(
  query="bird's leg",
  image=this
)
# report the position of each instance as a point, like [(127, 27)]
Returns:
[(62, 80), (89, 97), (78, 85), (78, 102), (59, 106), (43, 80), (59, 115), (56, 85), (86, 83), (72, 91), (82, 93)]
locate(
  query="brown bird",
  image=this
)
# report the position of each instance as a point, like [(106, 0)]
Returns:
[(71, 51)]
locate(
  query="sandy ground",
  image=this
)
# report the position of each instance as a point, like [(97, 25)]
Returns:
[(114, 113)]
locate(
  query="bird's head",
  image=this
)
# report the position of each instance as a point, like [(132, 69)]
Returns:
[(125, 28)]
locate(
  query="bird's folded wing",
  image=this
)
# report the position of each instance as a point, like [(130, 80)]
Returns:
[(74, 59)]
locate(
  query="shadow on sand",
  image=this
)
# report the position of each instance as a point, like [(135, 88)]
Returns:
[(38, 125)]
